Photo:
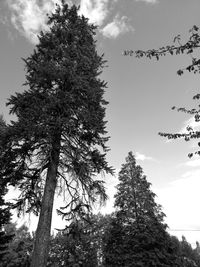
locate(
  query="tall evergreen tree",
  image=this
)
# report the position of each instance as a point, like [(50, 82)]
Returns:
[(137, 236), (59, 137)]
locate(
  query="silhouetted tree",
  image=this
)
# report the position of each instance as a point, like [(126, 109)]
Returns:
[(137, 235), (58, 139)]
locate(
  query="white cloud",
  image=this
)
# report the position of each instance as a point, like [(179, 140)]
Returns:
[(195, 126), (29, 17), (193, 163), (142, 157), (180, 201), (190, 123), (148, 1), (95, 10), (110, 185), (119, 25)]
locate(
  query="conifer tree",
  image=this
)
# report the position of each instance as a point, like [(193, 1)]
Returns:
[(137, 234), (58, 139)]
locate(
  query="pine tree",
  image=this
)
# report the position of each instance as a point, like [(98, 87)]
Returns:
[(138, 234), (59, 137)]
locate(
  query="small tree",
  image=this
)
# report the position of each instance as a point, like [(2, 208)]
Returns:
[(137, 234), (58, 139)]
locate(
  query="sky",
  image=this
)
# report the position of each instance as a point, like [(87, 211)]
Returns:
[(140, 92)]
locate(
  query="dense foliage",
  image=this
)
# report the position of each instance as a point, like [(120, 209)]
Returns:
[(134, 235), (81, 244), (19, 249), (64, 103), (58, 139), (137, 234), (5, 214)]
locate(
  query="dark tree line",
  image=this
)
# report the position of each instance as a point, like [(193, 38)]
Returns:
[(134, 235), (58, 140)]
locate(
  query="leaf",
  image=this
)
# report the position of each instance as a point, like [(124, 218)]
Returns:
[(180, 72)]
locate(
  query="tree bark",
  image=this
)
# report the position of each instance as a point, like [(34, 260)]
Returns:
[(41, 245)]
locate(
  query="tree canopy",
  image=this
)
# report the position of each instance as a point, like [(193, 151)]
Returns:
[(59, 138), (138, 232), (19, 249)]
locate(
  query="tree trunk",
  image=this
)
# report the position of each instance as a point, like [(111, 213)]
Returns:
[(41, 245)]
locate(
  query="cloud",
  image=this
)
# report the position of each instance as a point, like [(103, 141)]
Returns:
[(29, 17), (195, 125), (193, 163), (191, 123), (110, 185), (148, 1), (142, 157), (95, 10), (180, 201), (118, 26)]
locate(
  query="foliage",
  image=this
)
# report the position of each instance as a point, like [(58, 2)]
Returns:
[(190, 48), (73, 248), (65, 101), (137, 233), (186, 255), (80, 244), (59, 138), (85, 243), (5, 214), (20, 247)]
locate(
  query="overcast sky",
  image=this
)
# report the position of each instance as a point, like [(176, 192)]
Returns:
[(141, 92)]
